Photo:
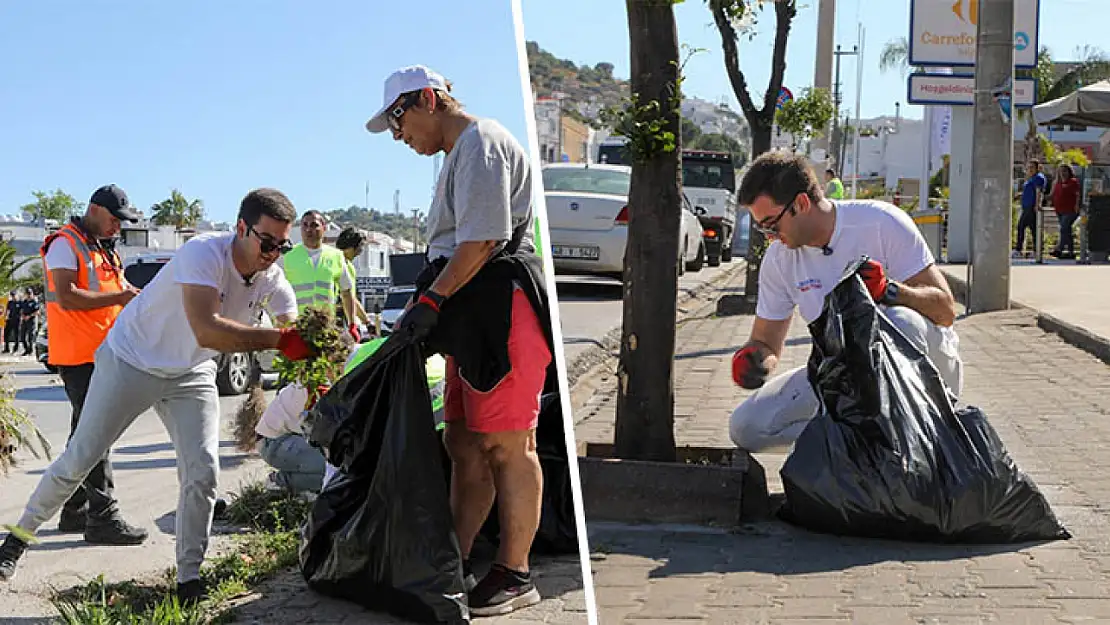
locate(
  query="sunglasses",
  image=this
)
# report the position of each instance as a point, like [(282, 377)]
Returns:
[(268, 244), (398, 111), (772, 227)]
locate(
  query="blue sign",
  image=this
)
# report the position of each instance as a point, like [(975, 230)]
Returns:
[(1021, 41)]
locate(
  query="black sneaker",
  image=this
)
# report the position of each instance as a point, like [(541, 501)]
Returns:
[(219, 511), (502, 591), (469, 580), (73, 522), (114, 531), (192, 591), (10, 552)]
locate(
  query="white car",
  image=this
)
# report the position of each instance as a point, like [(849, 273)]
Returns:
[(394, 306), (587, 212)]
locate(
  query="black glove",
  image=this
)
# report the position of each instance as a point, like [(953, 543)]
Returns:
[(417, 324)]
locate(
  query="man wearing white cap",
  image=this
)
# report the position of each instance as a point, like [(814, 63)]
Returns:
[(485, 276)]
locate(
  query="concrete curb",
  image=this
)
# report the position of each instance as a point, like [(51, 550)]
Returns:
[(605, 347), (1073, 335)]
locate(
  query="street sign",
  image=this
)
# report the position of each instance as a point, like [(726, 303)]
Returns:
[(943, 32), (785, 96), (959, 90)]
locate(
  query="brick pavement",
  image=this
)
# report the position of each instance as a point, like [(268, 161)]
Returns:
[(1044, 397)]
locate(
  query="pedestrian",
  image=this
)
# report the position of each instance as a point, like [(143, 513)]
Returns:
[(352, 242), (813, 241), (28, 322), (85, 292), (834, 188), (1065, 201), (11, 326), (318, 271), (484, 274), (1032, 194), (160, 354)]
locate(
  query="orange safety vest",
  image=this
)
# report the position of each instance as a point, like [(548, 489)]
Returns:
[(73, 336)]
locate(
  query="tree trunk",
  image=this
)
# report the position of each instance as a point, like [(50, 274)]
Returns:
[(645, 399), (761, 142)]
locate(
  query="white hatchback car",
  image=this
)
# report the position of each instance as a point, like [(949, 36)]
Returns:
[(587, 212)]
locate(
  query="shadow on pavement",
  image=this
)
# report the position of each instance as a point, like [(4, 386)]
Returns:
[(721, 351), (771, 548), (42, 393), (226, 462), (158, 447)]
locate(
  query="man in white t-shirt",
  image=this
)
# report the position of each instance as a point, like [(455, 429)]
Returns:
[(160, 353), (813, 241)]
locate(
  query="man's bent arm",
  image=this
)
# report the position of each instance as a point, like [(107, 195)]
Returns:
[(72, 298), (927, 292), (202, 308), (770, 336), (468, 259)]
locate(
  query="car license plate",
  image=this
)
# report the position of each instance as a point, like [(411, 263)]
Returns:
[(578, 252)]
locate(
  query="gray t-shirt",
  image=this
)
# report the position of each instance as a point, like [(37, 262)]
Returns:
[(484, 191)]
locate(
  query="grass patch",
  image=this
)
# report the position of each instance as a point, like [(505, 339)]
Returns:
[(254, 557)]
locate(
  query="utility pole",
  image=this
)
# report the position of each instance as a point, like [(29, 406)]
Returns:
[(838, 131), (822, 66), (859, 98), (992, 159), (415, 228)]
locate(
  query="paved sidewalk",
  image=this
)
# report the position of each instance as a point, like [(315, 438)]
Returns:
[(1043, 396)]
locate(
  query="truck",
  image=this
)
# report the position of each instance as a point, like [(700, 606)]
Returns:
[(709, 184)]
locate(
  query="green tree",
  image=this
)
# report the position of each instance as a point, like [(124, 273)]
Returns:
[(57, 205), (1092, 66), (645, 400), (896, 55), (177, 211), (734, 17), (807, 116)]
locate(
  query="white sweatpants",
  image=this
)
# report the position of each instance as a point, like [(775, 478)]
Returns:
[(189, 407), (775, 414)]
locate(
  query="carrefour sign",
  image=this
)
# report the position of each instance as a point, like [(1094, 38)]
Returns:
[(943, 32)]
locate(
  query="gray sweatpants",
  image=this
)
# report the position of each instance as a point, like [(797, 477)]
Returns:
[(190, 410), (775, 415)]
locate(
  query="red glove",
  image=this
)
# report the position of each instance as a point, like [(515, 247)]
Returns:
[(875, 279), (747, 368), (353, 330), (292, 345)]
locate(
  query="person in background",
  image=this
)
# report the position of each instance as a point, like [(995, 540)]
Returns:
[(1032, 195), (11, 323), (834, 188), (28, 322), (85, 293), (352, 242), (318, 271), (1065, 201)]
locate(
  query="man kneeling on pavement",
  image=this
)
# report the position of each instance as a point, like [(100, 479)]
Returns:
[(160, 354), (813, 241)]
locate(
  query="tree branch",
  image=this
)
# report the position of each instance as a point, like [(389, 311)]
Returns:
[(732, 60), (785, 10)]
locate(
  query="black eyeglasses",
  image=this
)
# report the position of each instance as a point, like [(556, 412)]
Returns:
[(267, 244), (772, 227), (398, 111)]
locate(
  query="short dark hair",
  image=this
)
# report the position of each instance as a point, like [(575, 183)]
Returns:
[(350, 238), (781, 176), (830, 171), (1034, 162), (269, 202)]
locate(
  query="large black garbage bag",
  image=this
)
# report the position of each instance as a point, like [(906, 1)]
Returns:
[(557, 533), (888, 456), (380, 533)]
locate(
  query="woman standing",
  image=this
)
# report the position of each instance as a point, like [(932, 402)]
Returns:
[(1065, 201)]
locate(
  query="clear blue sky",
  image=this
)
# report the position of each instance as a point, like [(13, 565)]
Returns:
[(216, 97), (589, 31)]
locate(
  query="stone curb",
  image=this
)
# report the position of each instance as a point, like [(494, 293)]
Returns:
[(605, 347), (1078, 337)]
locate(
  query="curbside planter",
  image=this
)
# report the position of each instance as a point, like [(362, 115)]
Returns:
[(732, 305), (707, 486)]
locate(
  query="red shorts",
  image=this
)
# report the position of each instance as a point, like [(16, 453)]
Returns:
[(514, 404)]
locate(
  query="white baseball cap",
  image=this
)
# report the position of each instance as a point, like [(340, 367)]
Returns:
[(404, 80)]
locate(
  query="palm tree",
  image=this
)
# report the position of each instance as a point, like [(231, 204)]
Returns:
[(895, 55), (177, 211)]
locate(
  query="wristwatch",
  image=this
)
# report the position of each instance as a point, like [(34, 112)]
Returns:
[(891, 294)]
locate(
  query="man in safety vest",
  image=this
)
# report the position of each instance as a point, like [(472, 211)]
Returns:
[(85, 291), (318, 272)]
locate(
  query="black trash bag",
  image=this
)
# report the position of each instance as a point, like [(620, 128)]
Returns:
[(887, 455), (380, 533), (557, 533)]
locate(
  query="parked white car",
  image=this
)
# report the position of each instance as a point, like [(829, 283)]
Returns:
[(587, 212)]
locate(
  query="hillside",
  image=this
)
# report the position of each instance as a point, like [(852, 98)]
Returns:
[(396, 226), (586, 90)]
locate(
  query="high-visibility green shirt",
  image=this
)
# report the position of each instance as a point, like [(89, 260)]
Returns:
[(314, 285), (435, 368), (835, 189)]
